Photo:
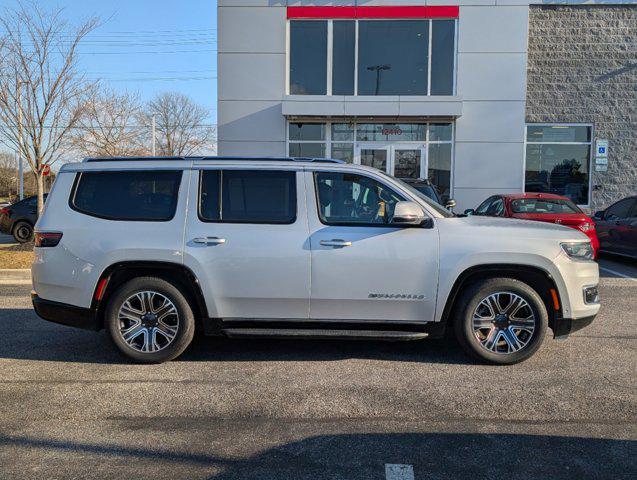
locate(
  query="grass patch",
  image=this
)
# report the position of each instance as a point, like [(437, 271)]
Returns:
[(16, 256)]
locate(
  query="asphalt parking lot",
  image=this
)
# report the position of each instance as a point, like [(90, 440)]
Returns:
[(72, 407)]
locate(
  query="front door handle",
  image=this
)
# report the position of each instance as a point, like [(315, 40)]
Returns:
[(336, 242), (209, 241)]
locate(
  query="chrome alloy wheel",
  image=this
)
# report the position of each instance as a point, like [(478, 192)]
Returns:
[(148, 321), (503, 323)]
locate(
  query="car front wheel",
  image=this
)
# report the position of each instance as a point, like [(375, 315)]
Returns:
[(150, 320), (501, 320)]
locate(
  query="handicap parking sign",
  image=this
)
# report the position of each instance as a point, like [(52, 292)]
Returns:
[(602, 148)]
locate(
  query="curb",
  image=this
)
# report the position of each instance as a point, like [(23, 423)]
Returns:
[(15, 276)]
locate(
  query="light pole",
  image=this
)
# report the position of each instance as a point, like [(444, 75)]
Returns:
[(378, 69)]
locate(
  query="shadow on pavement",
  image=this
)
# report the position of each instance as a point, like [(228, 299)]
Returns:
[(28, 338), (363, 456)]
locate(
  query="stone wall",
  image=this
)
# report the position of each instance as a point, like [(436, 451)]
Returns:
[(582, 68)]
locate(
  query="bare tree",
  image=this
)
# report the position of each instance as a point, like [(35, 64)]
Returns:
[(41, 91), (8, 174), (180, 125), (107, 126)]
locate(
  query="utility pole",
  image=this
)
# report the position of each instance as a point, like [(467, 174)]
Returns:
[(20, 177), (153, 149), (20, 168)]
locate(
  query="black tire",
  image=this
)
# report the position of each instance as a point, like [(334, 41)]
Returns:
[(471, 299), (185, 321), (23, 232)]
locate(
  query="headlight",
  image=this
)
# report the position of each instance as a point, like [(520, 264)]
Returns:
[(579, 250)]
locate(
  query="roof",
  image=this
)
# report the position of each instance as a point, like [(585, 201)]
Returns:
[(190, 159)]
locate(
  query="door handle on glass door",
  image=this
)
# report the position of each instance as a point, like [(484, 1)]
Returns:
[(336, 242), (209, 240)]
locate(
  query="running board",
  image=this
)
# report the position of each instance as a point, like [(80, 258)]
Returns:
[(323, 333)]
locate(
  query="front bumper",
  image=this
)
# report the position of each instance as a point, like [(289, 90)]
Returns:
[(65, 314), (563, 327)]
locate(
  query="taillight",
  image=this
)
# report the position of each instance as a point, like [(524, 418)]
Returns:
[(47, 239), (586, 227), (5, 211)]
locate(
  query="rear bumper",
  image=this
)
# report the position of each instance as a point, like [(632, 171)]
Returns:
[(65, 314), (563, 327)]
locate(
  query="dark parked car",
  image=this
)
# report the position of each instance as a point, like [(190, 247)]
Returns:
[(19, 218), (617, 228), (427, 188)]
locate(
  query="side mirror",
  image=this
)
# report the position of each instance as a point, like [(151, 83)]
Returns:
[(599, 215), (451, 204), (469, 211), (408, 214)]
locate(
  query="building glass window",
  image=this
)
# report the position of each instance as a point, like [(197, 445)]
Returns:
[(385, 132), (558, 160), (394, 57), (308, 58), (380, 145), (307, 140), (442, 53), (439, 174), (344, 57)]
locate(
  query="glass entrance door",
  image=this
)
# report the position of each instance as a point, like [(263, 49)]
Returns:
[(376, 157), (400, 160), (408, 162)]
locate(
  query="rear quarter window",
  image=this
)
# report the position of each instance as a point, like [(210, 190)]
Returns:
[(149, 195)]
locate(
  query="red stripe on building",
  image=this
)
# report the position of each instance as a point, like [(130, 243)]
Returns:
[(374, 12)]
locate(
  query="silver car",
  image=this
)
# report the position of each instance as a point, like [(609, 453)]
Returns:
[(152, 249)]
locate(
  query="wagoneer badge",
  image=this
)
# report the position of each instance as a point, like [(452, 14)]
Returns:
[(396, 296)]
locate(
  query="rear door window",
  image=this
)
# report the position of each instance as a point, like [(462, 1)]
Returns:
[(247, 196), (149, 195)]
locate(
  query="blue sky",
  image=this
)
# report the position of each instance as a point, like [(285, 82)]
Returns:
[(130, 50)]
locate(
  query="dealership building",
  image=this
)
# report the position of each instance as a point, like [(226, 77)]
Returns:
[(479, 96)]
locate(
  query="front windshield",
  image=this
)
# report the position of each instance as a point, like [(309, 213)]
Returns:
[(436, 206)]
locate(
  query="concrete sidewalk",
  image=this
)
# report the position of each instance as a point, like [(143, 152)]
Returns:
[(20, 276)]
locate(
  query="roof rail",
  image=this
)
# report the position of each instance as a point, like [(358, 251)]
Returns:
[(247, 159)]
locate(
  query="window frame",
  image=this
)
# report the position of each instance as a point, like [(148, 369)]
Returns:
[(590, 159), (330, 51), (78, 177), (221, 169), (317, 202)]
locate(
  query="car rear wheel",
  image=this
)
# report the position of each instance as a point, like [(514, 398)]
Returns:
[(23, 232), (150, 320), (501, 321)]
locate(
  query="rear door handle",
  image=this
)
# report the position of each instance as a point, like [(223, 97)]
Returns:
[(336, 242), (209, 241)]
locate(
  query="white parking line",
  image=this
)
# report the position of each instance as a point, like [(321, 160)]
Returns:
[(619, 274), (396, 471)]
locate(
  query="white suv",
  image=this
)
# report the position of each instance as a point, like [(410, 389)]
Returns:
[(154, 249)]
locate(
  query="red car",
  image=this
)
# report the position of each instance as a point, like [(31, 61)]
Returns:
[(542, 207)]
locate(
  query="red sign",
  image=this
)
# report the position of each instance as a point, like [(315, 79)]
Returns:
[(392, 131), (382, 12), (46, 170)]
